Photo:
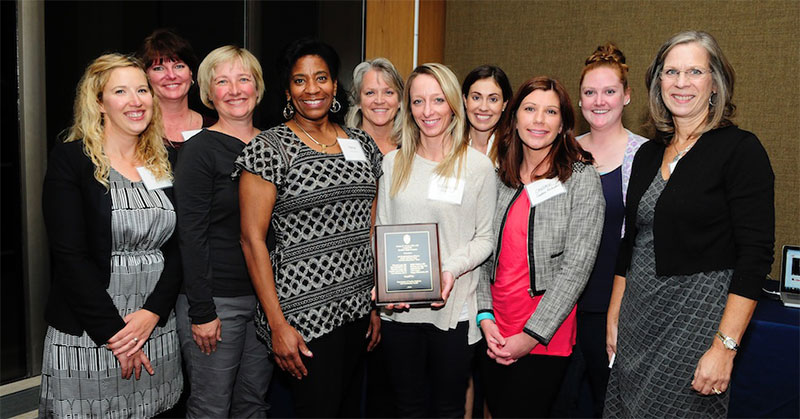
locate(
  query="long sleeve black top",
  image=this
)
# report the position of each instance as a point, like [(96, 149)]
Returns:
[(208, 223)]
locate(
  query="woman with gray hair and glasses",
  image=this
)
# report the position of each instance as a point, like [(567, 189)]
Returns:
[(377, 87), (699, 236)]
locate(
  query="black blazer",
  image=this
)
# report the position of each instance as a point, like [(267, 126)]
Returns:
[(716, 212), (77, 215)]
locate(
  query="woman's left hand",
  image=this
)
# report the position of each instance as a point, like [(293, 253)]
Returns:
[(518, 346), (448, 280), (713, 371), (374, 330), (132, 337)]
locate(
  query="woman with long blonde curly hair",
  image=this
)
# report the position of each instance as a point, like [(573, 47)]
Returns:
[(107, 197)]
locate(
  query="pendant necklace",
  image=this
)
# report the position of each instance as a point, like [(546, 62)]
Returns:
[(324, 146), (679, 155)]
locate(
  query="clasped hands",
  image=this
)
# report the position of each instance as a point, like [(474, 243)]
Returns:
[(506, 351), (126, 344)]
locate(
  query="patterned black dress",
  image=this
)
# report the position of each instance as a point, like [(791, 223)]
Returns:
[(322, 260), (666, 324)]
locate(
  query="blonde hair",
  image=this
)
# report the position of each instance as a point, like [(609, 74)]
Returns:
[(386, 69), (88, 123), (408, 131), (228, 53)]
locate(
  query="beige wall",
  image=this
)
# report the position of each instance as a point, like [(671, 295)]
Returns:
[(761, 39)]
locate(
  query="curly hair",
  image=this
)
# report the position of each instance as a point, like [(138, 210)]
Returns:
[(88, 124)]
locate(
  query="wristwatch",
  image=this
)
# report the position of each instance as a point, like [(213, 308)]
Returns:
[(728, 341)]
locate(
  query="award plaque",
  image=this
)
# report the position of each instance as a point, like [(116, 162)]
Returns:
[(407, 267)]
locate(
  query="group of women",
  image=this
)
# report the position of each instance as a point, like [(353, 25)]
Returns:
[(546, 240)]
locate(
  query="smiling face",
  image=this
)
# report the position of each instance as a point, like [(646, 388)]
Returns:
[(311, 89), (127, 103), (233, 91), (603, 97), (484, 104), (379, 100), (685, 97), (171, 80), (429, 107), (539, 120)]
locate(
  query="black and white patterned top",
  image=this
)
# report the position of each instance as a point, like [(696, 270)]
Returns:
[(322, 218)]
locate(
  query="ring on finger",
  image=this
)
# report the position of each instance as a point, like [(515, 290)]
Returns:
[(135, 340), (717, 392)]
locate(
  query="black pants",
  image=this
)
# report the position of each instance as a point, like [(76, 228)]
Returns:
[(592, 344), (524, 389), (428, 368), (333, 385)]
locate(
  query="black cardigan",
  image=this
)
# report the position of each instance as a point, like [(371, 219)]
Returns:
[(716, 212), (77, 215)]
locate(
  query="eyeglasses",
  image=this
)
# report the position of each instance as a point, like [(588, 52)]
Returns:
[(692, 73)]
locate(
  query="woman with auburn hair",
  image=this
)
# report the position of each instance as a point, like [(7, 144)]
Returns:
[(376, 101), (171, 63), (604, 95), (435, 177), (699, 237), (547, 226), (109, 217), (228, 368)]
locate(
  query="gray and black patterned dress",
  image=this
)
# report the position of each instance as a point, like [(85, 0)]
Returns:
[(322, 260), (666, 324), (82, 380)]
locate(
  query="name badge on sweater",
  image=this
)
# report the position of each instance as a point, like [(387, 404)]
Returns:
[(150, 181), (544, 189), (351, 149), (448, 190)]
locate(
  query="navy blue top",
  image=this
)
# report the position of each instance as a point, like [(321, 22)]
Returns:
[(597, 293)]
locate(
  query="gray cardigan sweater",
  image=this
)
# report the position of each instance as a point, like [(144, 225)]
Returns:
[(562, 249)]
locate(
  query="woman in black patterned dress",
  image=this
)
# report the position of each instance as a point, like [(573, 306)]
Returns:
[(315, 182)]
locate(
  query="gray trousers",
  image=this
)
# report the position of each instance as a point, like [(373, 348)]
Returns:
[(233, 380)]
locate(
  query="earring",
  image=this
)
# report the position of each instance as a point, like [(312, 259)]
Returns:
[(288, 111), (579, 103), (336, 106), (627, 102), (192, 82), (711, 99)]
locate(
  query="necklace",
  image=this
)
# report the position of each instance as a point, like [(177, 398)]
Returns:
[(324, 146), (679, 155)]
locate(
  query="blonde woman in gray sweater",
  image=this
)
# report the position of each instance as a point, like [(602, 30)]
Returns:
[(432, 347)]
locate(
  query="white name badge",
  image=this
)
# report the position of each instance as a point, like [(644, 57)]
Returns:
[(351, 149), (448, 190), (544, 189), (189, 133), (150, 181)]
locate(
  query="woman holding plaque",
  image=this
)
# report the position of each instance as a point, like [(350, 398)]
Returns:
[(315, 181), (436, 177), (548, 223)]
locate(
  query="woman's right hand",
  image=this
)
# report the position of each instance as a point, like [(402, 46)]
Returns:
[(287, 345), (207, 335), (494, 340)]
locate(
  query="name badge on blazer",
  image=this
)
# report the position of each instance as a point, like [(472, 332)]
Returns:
[(351, 149), (544, 189), (448, 190), (150, 181)]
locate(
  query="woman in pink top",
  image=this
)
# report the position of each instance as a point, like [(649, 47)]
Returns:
[(548, 224)]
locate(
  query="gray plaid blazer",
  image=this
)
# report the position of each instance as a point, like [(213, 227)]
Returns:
[(566, 234)]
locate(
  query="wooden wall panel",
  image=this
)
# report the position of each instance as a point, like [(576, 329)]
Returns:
[(432, 18), (390, 32)]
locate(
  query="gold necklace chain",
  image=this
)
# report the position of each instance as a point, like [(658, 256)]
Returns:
[(324, 146)]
